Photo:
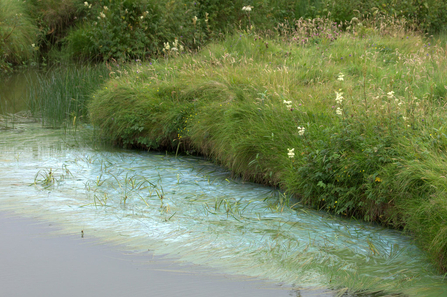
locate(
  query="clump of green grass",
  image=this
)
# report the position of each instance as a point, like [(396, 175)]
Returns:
[(347, 122), (17, 34)]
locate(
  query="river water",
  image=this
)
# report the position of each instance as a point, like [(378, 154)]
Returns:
[(193, 211)]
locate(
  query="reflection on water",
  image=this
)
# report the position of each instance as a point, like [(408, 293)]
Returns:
[(13, 91), (188, 208)]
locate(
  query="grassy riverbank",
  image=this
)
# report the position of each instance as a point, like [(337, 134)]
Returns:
[(352, 123)]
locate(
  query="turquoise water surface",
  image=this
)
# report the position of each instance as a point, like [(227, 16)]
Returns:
[(190, 209)]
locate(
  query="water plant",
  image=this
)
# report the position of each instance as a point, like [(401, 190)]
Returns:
[(59, 97)]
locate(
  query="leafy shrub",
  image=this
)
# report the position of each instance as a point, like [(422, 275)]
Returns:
[(128, 29), (348, 170)]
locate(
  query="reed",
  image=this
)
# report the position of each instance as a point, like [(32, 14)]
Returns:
[(59, 96)]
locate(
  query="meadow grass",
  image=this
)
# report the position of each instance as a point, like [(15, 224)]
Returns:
[(349, 122)]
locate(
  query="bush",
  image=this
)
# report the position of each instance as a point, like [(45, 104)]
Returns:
[(125, 30), (137, 29)]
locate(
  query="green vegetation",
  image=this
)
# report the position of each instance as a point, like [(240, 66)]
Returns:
[(344, 109), (59, 97), (17, 34), (61, 30), (350, 122)]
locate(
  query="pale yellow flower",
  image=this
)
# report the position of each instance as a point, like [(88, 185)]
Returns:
[(291, 153), (339, 97)]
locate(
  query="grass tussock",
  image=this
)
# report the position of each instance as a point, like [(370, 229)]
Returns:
[(17, 33), (350, 122)]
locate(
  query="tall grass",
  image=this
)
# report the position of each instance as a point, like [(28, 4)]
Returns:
[(17, 34), (59, 96), (351, 122)]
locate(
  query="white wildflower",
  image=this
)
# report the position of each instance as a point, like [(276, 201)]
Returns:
[(86, 3), (404, 118), (339, 97), (105, 8), (390, 94), (291, 153), (340, 76), (288, 104), (181, 48), (101, 14), (339, 111), (247, 8), (301, 130), (141, 17), (33, 45)]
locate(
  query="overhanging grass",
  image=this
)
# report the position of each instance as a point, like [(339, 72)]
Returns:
[(17, 33), (240, 102)]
